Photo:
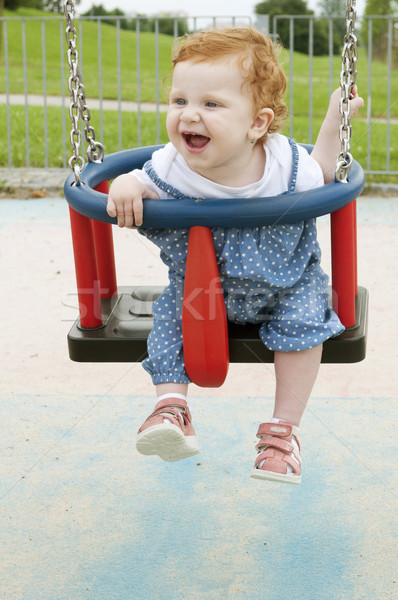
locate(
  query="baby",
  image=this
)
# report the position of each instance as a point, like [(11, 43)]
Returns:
[(226, 108)]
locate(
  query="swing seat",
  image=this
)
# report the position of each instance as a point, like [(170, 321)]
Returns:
[(128, 321), (115, 322)]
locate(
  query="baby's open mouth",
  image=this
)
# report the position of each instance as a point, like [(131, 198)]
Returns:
[(195, 141)]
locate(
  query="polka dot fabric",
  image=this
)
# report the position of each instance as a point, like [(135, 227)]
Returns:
[(271, 275)]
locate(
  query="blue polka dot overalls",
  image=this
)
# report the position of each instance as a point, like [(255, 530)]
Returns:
[(270, 275)]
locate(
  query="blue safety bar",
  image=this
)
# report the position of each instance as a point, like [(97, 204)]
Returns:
[(211, 212)]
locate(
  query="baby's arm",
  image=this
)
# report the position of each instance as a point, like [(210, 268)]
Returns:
[(125, 200), (327, 145)]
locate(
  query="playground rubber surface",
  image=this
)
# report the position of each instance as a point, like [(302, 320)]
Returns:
[(84, 516)]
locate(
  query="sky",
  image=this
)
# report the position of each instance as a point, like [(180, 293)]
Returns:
[(191, 7)]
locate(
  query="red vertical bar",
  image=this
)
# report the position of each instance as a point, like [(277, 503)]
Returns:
[(354, 203), (344, 278), (204, 316), (104, 250), (86, 270)]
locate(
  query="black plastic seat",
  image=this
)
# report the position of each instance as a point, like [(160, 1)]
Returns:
[(128, 321)]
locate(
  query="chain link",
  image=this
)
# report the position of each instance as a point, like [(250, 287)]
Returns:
[(78, 108), (348, 78)]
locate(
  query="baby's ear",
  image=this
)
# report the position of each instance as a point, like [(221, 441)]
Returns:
[(261, 123)]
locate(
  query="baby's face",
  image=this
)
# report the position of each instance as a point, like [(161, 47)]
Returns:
[(210, 118)]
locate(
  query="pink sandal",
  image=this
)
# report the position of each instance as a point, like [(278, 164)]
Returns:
[(276, 452), (168, 431)]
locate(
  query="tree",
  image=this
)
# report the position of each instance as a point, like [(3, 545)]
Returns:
[(332, 8), (335, 8), (379, 28), (166, 26), (10, 4), (98, 10), (56, 6), (274, 8)]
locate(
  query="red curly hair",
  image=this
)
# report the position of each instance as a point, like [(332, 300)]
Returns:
[(257, 57)]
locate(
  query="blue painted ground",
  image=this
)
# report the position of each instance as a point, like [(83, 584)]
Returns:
[(84, 517)]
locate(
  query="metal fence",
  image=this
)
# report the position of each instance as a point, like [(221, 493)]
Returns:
[(377, 143), (123, 70)]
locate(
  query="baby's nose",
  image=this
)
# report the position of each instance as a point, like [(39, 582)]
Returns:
[(190, 115)]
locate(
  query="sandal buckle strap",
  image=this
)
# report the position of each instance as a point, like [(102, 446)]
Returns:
[(174, 409), (274, 442), (172, 402), (174, 412), (275, 429), (293, 460)]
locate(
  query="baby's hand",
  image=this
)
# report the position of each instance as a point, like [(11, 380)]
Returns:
[(125, 200), (333, 115)]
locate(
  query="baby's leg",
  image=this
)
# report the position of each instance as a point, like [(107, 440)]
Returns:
[(168, 431), (171, 388), (295, 374), (278, 449)]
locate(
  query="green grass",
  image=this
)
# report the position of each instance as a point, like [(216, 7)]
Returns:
[(56, 79), (360, 144), (55, 145), (56, 46), (55, 148), (89, 59), (320, 83)]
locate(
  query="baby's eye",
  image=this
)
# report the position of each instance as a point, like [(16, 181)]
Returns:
[(211, 104), (180, 101)]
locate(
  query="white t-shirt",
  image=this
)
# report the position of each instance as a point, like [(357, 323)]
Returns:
[(171, 167)]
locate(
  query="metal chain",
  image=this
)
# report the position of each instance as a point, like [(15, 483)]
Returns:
[(78, 108), (348, 78)]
